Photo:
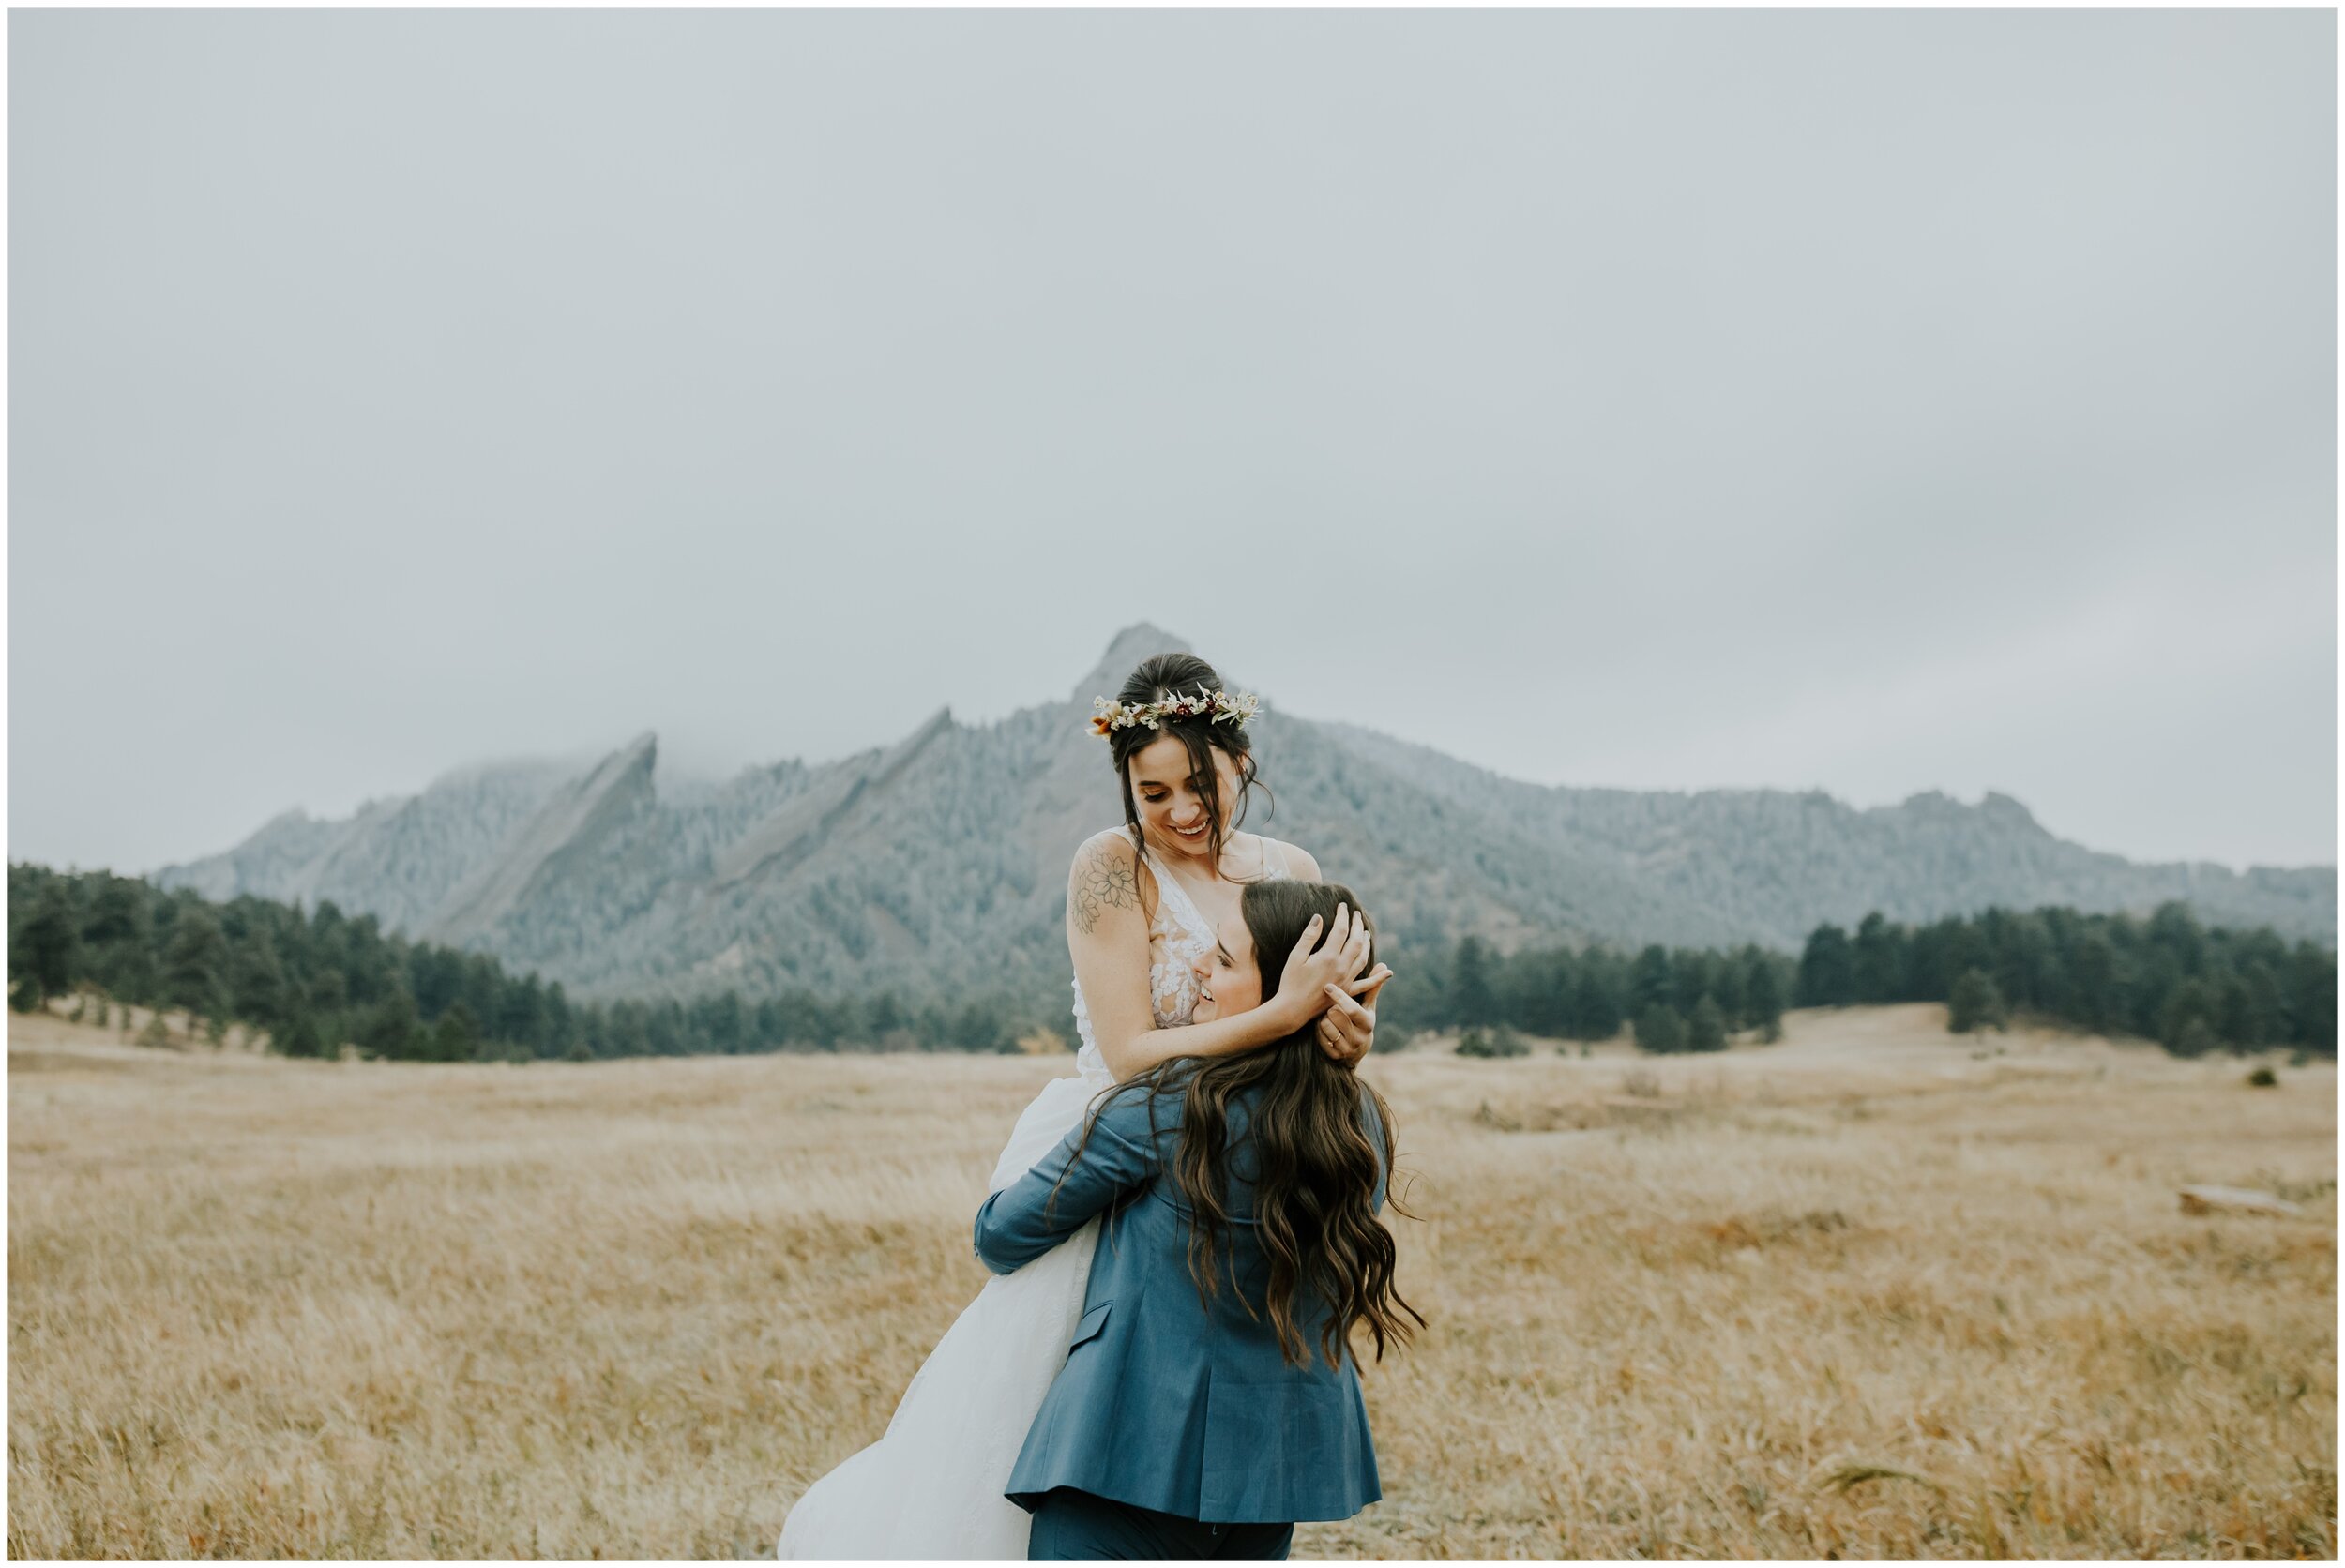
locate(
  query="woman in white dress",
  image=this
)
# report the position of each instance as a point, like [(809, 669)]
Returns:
[(1141, 903)]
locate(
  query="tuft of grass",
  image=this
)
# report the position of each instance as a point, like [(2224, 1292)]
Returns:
[(1846, 1476)]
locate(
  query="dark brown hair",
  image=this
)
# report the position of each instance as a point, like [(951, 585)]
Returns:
[(1167, 675), (1314, 1168)]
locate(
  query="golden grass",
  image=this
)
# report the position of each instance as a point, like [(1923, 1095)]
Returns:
[(1867, 1292)]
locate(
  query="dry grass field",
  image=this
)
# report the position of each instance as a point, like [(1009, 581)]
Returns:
[(1872, 1293)]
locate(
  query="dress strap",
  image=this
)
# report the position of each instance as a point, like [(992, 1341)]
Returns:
[(1273, 861)]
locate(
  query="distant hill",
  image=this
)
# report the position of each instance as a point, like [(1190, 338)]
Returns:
[(937, 865)]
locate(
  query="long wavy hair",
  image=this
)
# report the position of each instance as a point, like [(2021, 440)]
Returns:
[(1315, 1170), (1156, 679)]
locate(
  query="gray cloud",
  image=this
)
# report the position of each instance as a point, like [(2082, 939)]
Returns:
[(1876, 400)]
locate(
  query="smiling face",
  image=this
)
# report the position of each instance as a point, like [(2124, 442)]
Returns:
[(1228, 978), (1170, 801)]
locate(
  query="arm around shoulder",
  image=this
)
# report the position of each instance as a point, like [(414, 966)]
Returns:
[(1114, 1150), (1107, 939)]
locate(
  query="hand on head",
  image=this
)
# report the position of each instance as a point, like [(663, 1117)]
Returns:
[(1322, 977), (1348, 1027)]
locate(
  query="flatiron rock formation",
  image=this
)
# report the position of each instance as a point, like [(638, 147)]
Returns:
[(937, 867)]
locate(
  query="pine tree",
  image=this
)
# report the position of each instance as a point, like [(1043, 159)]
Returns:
[(2313, 997), (2266, 1006), (1731, 984), (2235, 1014), (455, 1036), (1828, 976), (1976, 1003), (117, 913), (726, 1027), (195, 965), (2094, 986), (256, 981), (1534, 992), (2185, 1023), (1652, 983), (48, 947), (1705, 1029), (1595, 999), (1762, 1000), (1471, 997), (1877, 960)]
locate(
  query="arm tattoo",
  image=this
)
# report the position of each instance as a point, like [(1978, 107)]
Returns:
[(1103, 881)]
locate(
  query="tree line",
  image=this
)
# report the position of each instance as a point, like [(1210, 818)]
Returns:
[(316, 979), (2190, 988), (1673, 999)]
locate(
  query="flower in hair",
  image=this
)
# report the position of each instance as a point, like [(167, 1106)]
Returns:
[(1214, 707)]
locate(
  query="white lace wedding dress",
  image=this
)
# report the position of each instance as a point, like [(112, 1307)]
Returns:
[(931, 1486)]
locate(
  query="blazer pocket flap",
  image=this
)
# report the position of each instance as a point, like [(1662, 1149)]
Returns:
[(1092, 1321)]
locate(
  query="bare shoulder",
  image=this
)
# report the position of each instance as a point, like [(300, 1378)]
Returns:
[(1104, 878), (1104, 851), (1300, 860)]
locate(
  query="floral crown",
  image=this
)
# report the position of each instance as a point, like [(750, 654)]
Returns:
[(1223, 708)]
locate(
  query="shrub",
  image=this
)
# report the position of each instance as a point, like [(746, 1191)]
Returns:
[(1499, 1041), (1660, 1029), (2196, 1038), (2264, 1077), (301, 1037)]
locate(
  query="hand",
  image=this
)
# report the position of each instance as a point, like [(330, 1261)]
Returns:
[(1347, 1029), (1303, 984)]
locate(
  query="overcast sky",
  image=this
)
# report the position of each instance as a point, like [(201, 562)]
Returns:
[(1871, 400)]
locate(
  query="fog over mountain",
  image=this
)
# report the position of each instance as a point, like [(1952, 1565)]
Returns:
[(937, 865)]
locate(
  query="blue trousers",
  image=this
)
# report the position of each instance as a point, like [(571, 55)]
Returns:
[(1071, 1526)]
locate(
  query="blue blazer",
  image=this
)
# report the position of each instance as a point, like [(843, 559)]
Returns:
[(1165, 1403)]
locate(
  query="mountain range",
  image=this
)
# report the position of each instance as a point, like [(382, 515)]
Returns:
[(937, 865)]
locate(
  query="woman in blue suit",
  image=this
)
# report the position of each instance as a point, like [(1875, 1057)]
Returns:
[(1211, 1399)]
